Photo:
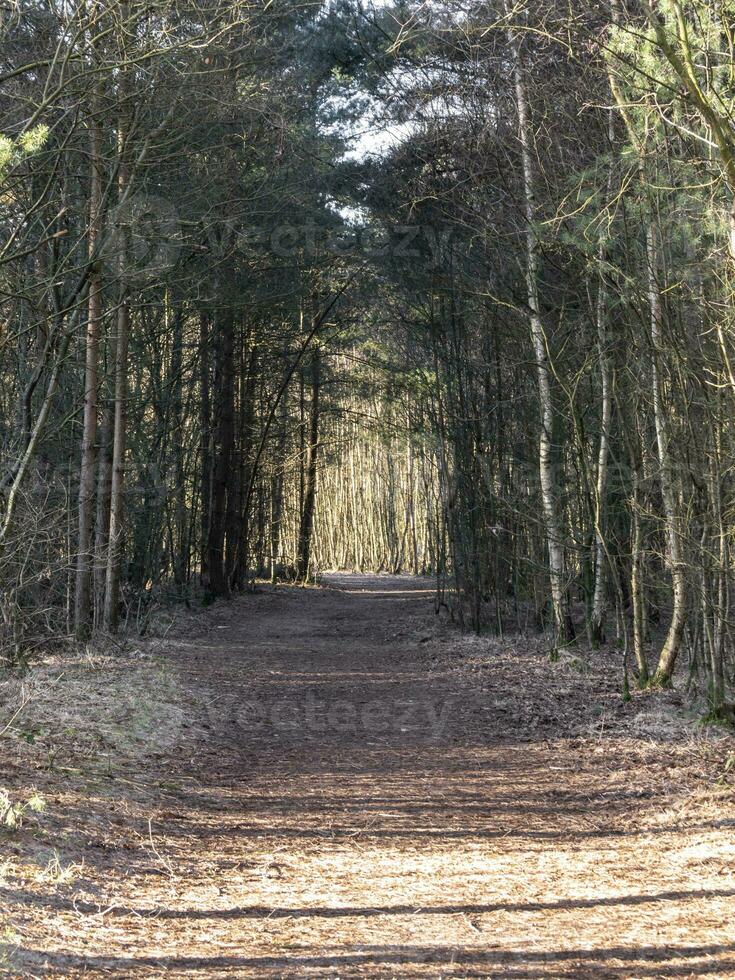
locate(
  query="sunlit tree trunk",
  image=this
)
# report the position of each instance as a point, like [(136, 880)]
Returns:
[(599, 599), (549, 488), (672, 644), (310, 474), (277, 484)]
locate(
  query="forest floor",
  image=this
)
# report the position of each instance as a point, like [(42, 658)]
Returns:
[(328, 782)]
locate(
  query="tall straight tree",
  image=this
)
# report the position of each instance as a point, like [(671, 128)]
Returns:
[(87, 484), (115, 537), (547, 469), (306, 526)]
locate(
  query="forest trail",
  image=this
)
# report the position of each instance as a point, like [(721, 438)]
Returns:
[(352, 806)]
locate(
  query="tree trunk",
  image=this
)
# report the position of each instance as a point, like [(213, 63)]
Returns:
[(277, 485), (637, 597), (599, 599), (310, 476), (205, 422), (242, 506), (549, 490), (104, 491), (178, 556), (87, 486), (115, 536), (672, 644), (223, 450)]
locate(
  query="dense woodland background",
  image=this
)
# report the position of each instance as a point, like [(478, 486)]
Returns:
[(435, 287)]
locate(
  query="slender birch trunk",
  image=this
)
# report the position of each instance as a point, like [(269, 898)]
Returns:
[(672, 644), (599, 599), (549, 489), (637, 597), (722, 566)]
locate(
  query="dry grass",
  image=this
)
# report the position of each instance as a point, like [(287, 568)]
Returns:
[(91, 710)]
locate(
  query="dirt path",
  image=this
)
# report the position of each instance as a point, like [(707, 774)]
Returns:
[(351, 803)]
